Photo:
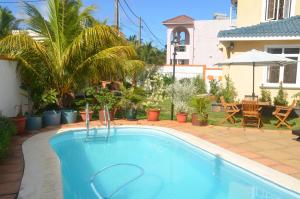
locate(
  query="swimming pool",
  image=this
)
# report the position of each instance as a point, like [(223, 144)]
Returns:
[(142, 163)]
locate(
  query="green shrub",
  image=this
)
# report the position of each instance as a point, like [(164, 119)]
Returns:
[(182, 92), (200, 105), (7, 130), (214, 87), (280, 99), (200, 85), (265, 95), (228, 91)]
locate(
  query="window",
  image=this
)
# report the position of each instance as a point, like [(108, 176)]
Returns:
[(286, 74), (278, 9), (180, 61), (290, 73), (273, 74)]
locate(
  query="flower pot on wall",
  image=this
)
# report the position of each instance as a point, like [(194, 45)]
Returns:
[(153, 114), (33, 123), (83, 115), (131, 114), (111, 115), (181, 117), (20, 123), (68, 116), (51, 118)]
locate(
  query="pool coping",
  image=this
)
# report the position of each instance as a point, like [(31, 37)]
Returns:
[(53, 185)]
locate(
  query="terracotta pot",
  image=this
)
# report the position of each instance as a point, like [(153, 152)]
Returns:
[(212, 98), (197, 122), (153, 114), (181, 117), (83, 115), (111, 114), (20, 123)]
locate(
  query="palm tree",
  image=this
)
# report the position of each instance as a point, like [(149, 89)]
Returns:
[(75, 49), (7, 22)]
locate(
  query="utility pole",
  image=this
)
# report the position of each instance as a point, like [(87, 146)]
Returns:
[(140, 30), (117, 15)]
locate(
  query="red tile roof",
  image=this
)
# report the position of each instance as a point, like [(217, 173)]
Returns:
[(182, 19)]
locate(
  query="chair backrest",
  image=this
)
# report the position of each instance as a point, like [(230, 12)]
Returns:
[(250, 97), (223, 101), (250, 105), (291, 107)]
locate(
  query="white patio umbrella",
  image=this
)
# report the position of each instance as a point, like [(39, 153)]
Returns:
[(257, 58)]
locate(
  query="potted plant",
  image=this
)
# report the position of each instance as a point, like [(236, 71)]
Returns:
[(34, 117), (20, 120), (155, 95), (51, 117), (105, 97), (181, 109), (281, 98), (81, 103), (131, 100), (214, 89), (265, 97), (181, 92), (200, 105)]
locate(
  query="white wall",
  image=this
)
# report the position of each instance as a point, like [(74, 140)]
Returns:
[(204, 44), (206, 41), (9, 88), (183, 71)]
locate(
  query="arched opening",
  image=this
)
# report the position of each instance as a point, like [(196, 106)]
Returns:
[(182, 34)]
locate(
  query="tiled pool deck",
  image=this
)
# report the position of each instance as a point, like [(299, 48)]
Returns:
[(277, 149)]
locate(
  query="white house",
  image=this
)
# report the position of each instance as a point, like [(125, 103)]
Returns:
[(198, 47)]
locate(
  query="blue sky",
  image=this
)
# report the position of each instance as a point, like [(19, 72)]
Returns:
[(152, 11)]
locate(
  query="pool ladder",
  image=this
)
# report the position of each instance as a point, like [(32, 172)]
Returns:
[(106, 121), (92, 184)]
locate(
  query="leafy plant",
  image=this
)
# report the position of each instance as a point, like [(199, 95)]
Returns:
[(75, 49), (7, 130), (200, 105), (297, 97), (132, 97), (104, 97), (214, 87), (265, 95), (49, 98), (7, 22), (228, 91), (200, 85), (181, 92), (155, 91), (280, 99)]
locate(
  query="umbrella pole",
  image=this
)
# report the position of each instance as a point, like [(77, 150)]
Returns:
[(253, 94)]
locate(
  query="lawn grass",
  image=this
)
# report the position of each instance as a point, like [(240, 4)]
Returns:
[(215, 118)]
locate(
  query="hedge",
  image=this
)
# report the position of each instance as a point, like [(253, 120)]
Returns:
[(7, 130)]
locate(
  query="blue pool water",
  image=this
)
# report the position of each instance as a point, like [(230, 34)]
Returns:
[(138, 163)]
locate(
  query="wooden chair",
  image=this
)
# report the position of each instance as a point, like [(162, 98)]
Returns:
[(251, 113), (230, 110), (282, 113)]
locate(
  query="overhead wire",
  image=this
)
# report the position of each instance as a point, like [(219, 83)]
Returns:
[(128, 17), (144, 22), (21, 1)]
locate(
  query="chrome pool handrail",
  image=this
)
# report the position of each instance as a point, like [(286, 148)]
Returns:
[(142, 172), (87, 119), (107, 120)]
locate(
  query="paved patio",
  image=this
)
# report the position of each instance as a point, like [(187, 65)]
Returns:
[(276, 149)]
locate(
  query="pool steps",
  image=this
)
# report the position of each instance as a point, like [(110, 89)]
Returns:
[(106, 122), (92, 184)]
